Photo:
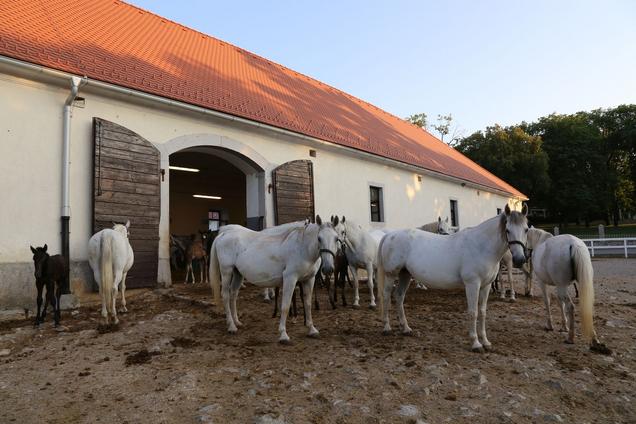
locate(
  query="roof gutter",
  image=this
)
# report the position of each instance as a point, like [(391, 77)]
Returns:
[(316, 141)]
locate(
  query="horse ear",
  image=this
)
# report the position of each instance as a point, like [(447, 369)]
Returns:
[(318, 220), (44, 248), (336, 220), (439, 219), (507, 210), (32, 249), (127, 224), (446, 219), (343, 219), (524, 209)]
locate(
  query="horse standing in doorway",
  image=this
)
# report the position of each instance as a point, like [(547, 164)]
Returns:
[(195, 251), (50, 272), (468, 259), (111, 257)]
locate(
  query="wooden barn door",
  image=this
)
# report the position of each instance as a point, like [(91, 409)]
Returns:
[(293, 191), (126, 186)]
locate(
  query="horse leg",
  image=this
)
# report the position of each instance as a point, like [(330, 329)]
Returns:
[(546, 301), (528, 273), (370, 284), (50, 287), (47, 301), (403, 285), (388, 290), (483, 303), (289, 285), (308, 287), (511, 283), (276, 290), (123, 308), (58, 294), (472, 299), (356, 295), (38, 317), (237, 280), (344, 275), (332, 290), (226, 282), (566, 302), (501, 286)]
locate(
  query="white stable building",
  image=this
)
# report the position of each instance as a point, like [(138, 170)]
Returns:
[(101, 103)]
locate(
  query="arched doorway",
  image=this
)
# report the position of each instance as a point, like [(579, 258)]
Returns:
[(206, 174)]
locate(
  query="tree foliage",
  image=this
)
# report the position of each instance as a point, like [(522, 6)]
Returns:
[(419, 119), (580, 166)]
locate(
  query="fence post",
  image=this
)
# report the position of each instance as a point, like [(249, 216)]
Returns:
[(592, 246), (625, 245), (601, 231), (556, 231)]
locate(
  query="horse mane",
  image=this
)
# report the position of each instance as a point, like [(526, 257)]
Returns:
[(431, 227)]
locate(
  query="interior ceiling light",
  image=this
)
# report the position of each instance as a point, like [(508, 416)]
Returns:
[(181, 168), (205, 196)]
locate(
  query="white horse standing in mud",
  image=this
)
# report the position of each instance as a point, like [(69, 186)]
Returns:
[(468, 259), (111, 257), (559, 261), (361, 250), (268, 259)]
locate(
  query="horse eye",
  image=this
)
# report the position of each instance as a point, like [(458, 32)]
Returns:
[(526, 230), (507, 231), (319, 239)]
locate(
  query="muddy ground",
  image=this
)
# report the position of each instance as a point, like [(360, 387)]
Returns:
[(172, 361)]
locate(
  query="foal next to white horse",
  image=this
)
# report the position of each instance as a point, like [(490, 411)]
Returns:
[(111, 257), (559, 261), (268, 259), (468, 259), (361, 251)]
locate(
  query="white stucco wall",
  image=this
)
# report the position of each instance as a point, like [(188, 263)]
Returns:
[(30, 165)]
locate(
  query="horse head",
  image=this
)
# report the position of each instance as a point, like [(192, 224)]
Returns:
[(39, 260), (122, 228), (443, 227), (515, 227), (327, 244)]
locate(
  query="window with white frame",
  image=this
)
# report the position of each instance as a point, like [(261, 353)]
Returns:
[(377, 207)]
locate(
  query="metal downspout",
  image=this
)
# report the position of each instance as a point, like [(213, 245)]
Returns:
[(76, 82)]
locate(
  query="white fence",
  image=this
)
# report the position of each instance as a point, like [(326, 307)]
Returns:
[(611, 245)]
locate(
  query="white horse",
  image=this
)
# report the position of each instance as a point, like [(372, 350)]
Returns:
[(269, 259), (468, 259), (439, 227), (559, 261), (536, 236), (361, 250), (111, 257)]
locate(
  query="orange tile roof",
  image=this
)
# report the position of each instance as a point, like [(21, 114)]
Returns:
[(118, 43)]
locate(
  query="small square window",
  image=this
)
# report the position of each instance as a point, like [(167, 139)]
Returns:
[(498, 211), (377, 212), (454, 213)]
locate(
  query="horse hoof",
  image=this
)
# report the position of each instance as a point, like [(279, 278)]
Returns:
[(599, 347), (356, 306), (478, 349), (407, 333), (513, 299), (232, 330), (487, 347), (372, 306), (386, 332), (285, 342), (546, 328), (568, 341), (315, 335)]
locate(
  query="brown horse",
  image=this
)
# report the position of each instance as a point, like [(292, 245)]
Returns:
[(195, 250), (50, 271)]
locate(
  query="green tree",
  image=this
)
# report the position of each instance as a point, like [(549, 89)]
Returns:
[(419, 119), (443, 125), (513, 155)]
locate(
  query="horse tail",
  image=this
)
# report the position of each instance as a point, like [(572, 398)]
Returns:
[(584, 274), (380, 277), (106, 268), (215, 276)]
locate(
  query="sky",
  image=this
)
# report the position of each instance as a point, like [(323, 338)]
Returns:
[(485, 62)]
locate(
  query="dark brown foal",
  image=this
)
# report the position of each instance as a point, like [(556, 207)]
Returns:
[(50, 271)]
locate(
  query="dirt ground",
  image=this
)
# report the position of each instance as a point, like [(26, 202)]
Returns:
[(172, 361)]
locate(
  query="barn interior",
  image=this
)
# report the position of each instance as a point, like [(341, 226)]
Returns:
[(219, 185)]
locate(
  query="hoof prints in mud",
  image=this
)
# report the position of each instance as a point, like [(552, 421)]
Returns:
[(141, 357)]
